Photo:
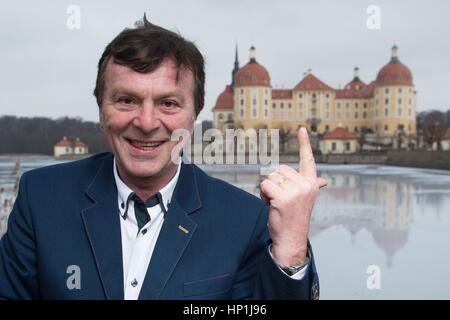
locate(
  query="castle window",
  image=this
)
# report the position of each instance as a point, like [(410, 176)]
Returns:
[(386, 101), (281, 105), (399, 112), (386, 90), (364, 115), (274, 105), (265, 113), (327, 95), (347, 105), (242, 91), (356, 104), (365, 105), (399, 90), (242, 102), (386, 112), (242, 112), (220, 116), (289, 106), (400, 101), (265, 102), (386, 127), (356, 115), (314, 95)]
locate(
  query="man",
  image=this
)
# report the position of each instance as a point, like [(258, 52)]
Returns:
[(135, 224)]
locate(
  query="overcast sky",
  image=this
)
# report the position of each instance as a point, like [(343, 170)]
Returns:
[(49, 70)]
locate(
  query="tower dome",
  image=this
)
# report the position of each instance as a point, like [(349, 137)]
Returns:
[(252, 74), (395, 72)]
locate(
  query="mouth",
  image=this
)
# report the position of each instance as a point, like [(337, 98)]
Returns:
[(145, 145)]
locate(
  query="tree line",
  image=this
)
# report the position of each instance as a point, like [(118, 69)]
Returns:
[(38, 135)]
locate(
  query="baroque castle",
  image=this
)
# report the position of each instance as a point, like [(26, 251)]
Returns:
[(383, 108)]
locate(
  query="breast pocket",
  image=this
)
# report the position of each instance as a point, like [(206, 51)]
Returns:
[(208, 285)]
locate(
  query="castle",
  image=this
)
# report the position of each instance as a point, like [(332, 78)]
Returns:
[(384, 108)]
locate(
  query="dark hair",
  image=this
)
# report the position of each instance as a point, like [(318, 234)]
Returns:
[(144, 48)]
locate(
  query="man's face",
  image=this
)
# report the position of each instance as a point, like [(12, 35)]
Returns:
[(140, 111)]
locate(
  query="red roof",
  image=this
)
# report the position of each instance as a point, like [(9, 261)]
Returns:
[(252, 74), (281, 94), (340, 134), (312, 83), (79, 143), (355, 89), (225, 100), (394, 73), (63, 143), (446, 135)]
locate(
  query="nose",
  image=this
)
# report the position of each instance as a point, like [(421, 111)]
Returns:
[(147, 119)]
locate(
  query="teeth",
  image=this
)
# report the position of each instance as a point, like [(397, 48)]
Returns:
[(146, 145)]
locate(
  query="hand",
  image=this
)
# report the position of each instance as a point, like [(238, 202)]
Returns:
[(291, 196)]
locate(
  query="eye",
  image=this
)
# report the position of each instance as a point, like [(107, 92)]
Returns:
[(126, 100), (169, 104)]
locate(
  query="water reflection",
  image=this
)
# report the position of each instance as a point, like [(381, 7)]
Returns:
[(402, 213), (395, 218)]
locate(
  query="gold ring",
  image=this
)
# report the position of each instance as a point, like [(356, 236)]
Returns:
[(281, 181)]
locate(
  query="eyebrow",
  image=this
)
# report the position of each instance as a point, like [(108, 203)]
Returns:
[(161, 96)]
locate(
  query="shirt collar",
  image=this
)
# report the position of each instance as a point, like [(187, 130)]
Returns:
[(123, 191)]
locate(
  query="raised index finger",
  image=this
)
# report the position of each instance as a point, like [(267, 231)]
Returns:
[(307, 165)]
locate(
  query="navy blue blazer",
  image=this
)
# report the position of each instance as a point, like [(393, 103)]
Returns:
[(67, 215)]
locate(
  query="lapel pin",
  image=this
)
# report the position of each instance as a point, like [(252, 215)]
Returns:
[(183, 229)]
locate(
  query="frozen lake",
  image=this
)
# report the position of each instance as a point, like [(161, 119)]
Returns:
[(395, 221)]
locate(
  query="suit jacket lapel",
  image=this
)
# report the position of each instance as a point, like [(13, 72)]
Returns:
[(176, 233), (102, 223)]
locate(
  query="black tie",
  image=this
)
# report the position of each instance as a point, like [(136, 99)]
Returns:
[(140, 209)]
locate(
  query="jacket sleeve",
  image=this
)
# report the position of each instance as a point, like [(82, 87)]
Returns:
[(260, 278), (18, 263)]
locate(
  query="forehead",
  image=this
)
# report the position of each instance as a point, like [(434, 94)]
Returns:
[(165, 77)]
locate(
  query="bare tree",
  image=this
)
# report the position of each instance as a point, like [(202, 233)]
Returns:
[(435, 128)]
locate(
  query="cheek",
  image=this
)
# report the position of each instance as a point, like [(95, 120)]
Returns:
[(178, 122), (114, 123)]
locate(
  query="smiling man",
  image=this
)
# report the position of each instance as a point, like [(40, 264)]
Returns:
[(133, 224)]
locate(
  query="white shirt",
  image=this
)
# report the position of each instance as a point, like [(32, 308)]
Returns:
[(137, 248)]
